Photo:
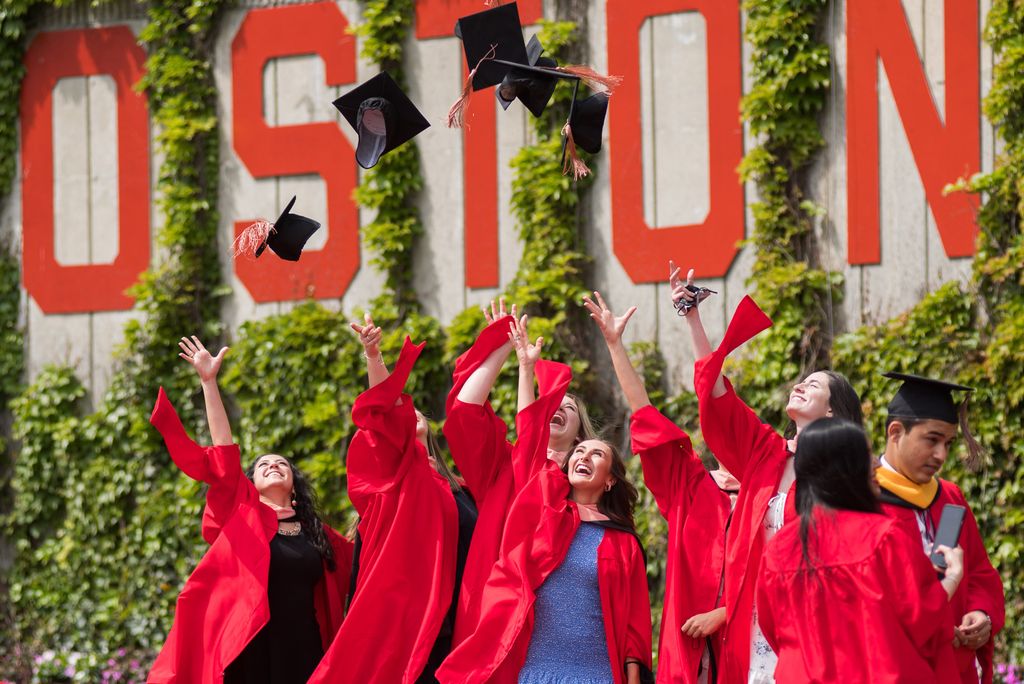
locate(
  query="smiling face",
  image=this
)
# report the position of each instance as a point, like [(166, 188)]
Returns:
[(590, 466), (272, 472), (920, 452), (565, 425), (809, 400)]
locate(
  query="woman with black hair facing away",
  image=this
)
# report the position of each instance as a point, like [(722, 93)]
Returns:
[(846, 594), (268, 596), (760, 458), (567, 600), (496, 468), (697, 505), (414, 521)]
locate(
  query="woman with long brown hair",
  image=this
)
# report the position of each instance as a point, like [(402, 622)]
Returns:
[(567, 600)]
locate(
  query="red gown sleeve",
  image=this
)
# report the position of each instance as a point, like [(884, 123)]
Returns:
[(731, 430), (924, 612), (671, 470), (984, 586), (533, 423), (386, 419), (218, 466), (639, 630), (476, 436)]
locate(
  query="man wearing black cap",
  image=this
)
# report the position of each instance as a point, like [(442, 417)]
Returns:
[(920, 428)]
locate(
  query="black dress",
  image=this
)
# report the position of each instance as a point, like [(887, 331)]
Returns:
[(288, 648)]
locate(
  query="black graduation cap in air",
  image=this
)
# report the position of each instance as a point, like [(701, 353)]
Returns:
[(382, 115), (286, 236), (587, 121), (493, 43), (530, 85), (923, 398)]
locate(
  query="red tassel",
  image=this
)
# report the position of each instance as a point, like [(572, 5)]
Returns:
[(250, 239), (492, 3), (457, 112), (593, 80), (572, 158)]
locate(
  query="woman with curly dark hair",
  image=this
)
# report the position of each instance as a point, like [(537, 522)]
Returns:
[(268, 596)]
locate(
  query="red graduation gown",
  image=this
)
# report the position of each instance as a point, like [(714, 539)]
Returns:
[(697, 512), (756, 456), (540, 527), (409, 531), (224, 602), (872, 611), (981, 588), (495, 469)]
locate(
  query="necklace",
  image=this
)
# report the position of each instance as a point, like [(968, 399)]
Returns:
[(293, 529)]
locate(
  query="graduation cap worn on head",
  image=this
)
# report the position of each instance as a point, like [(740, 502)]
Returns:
[(382, 115), (286, 236), (924, 398), (920, 398)]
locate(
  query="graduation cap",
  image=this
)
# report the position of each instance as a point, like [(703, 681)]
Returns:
[(493, 43), (920, 398), (382, 115), (529, 84), (286, 236)]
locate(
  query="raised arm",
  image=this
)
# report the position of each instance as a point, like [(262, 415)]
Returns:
[(528, 354), (698, 336), (370, 336), (612, 327), (207, 366), (478, 386)]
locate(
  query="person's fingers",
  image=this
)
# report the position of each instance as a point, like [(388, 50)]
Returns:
[(629, 314), (501, 306), (221, 353), (514, 311), (188, 346), (185, 349), (185, 356), (355, 326), (600, 300), (673, 270), (199, 345), (689, 277), (523, 323), (591, 307), (539, 344)]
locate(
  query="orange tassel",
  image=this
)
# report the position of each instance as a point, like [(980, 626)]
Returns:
[(593, 80), (457, 112), (250, 239), (492, 3), (572, 158)]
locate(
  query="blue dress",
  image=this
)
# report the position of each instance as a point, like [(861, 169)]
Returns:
[(568, 642)]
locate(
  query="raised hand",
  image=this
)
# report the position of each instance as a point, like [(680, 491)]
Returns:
[(518, 335), (369, 336), (685, 296), (611, 325), (496, 314), (206, 364)]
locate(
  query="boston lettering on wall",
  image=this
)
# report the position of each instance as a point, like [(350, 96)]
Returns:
[(906, 79)]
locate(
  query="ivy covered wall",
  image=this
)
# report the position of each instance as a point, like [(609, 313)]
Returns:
[(105, 529)]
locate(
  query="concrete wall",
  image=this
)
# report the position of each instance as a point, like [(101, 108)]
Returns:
[(675, 170)]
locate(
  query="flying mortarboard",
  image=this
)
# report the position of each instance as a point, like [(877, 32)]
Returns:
[(382, 115), (493, 43), (531, 86), (921, 398), (286, 236)]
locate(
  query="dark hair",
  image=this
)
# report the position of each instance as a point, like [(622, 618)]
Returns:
[(306, 511), (618, 502), (833, 467), (442, 468)]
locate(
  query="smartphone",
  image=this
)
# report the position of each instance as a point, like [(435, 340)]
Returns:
[(948, 534)]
